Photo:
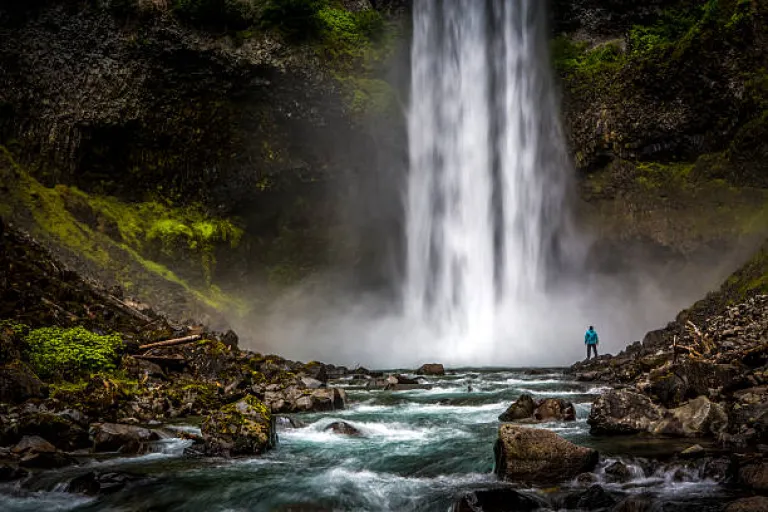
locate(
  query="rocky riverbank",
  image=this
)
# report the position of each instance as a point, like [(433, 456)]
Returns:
[(704, 376)]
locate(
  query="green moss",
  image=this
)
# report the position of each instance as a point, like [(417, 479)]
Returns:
[(110, 233), (572, 57), (73, 352)]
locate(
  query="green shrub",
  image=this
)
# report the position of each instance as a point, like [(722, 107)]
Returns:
[(60, 353)]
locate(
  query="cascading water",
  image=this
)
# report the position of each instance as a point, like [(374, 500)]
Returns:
[(488, 171)]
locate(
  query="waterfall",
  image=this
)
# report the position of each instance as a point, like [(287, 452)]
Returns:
[(488, 171)]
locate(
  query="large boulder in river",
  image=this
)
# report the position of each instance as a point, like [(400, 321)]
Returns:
[(18, 383), (431, 369), (623, 411), (522, 409), (537, 456), (554, 409), (246, 427), (343, 428), (501, 499), (116, 437)]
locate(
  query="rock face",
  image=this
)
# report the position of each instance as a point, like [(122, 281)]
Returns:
[(113, 437), (431, 369), (537, 456), (19, 383), (243, 428)]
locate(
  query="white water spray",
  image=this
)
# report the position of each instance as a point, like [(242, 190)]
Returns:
[(488, 171)]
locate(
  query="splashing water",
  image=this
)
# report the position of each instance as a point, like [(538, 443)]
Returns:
[(488, 170)]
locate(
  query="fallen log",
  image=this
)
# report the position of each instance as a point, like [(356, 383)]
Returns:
[(169, 343), (161, 358)]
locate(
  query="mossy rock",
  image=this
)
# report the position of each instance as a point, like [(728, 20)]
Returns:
[(244, 428)]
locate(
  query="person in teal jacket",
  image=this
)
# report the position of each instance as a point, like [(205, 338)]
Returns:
[(591, 340)]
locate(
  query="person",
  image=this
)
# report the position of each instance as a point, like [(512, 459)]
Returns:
[(591, 340)]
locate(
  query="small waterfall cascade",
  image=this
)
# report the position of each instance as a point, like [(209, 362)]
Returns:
[(488, 168)]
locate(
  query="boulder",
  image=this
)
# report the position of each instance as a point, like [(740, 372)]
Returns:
[(33, 444), (753, 504), (522, 409), (673, 384), (46, 460), (618, 472), (327, 399), (18, 383), (343, 428), (638, 503), (699, 417), (244, 428), (537, 456), (555, 409), (754, 476), (498, 500), (311, 383), (317, 371), (586, 479), (60, 429), (623, 411), (94, 483), (116, 437), (431, 369), (594, 498)]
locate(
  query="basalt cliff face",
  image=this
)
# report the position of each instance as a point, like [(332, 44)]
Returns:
[(202, 154)]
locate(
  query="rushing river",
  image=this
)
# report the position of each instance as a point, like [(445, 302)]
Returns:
[(419, 450)]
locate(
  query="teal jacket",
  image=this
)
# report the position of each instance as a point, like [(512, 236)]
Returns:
[(590, 338)]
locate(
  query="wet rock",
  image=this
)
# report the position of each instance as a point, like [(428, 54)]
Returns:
[(618, 472), (344, 428), (18, 383), (555, 409), (60, 429), (94, 483), (116, 437), (431, 369), (522, 408), (230, 339), (288, 422), (401, 379), (406, 387), (594, 498), (753, 504), (498, 500), (624, 411), (586, 479), (538, 456), (244, 428), (10, 472), (331, 399), (317, 371), (754, 476), (46, 460), (671, 385), (639, 503)]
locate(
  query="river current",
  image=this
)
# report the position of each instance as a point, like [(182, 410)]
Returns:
[(419, 451)]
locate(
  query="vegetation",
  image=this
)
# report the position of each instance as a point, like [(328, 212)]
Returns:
[(60, 353)]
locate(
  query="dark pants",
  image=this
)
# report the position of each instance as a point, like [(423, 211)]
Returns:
[(591, 348)]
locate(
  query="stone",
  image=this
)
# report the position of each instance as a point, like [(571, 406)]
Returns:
[(117, 437), (94, 483), (433, 369), (638, 503), (522, 409), (594, 498), (555, 409), (343, 428), (18, 383), (672, 384), (60, 429), (33, 444), (311, 383), (699, 417), (693, 451), (586, 479), (619, 412), (618, 472), (317, 371), (538, 456), (498, 500), (246, 427), (46, 460), (753, 504), (754, 476)]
